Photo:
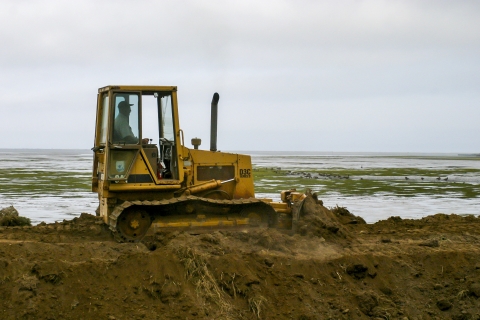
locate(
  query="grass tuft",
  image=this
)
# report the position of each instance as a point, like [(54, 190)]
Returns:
[(197, 272)]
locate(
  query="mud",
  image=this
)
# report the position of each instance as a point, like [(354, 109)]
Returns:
[(334, 267)]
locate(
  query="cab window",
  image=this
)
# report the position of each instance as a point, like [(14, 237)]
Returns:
[(126, 121)]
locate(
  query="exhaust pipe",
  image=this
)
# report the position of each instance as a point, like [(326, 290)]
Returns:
[(213, 123)]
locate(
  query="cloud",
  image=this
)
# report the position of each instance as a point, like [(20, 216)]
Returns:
[(279, 66)]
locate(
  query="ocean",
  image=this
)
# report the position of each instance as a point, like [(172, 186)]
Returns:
[(53, 185)]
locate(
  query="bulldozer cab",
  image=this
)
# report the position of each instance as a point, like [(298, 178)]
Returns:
[(137, 135)]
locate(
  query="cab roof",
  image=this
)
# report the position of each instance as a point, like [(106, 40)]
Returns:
[(136, 88)]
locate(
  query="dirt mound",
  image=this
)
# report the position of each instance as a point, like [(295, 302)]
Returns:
[(317, 220), (332, 268), (10, 217)]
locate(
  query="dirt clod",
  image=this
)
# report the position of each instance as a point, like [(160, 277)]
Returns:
[(433, 243), (357, 271), (444, 304), (475, 289)]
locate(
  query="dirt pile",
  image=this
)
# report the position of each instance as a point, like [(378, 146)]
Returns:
[(318, 221), (334, 267), (10, 217)]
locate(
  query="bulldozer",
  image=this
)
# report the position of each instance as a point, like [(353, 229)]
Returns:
[(147, 180)]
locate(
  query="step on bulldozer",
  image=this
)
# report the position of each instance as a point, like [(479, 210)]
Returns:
[(147, 180)]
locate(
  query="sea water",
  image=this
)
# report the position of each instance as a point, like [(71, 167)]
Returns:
[(376, 186), (53, 185)]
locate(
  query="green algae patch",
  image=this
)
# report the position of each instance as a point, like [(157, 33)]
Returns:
[(41, 182), (405, 182)]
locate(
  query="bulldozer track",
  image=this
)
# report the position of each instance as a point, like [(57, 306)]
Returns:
[(235, 203)]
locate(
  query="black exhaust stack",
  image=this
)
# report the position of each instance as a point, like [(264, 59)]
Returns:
[(213, 126)]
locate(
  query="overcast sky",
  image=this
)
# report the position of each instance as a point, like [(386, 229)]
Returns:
[(377, 76)]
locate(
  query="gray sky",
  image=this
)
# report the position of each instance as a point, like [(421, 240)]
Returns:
[(380, 76)]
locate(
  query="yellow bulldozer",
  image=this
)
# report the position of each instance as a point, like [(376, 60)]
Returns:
[(147, 180)]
